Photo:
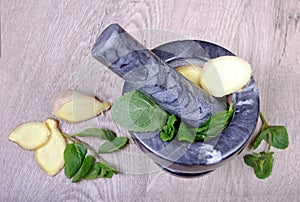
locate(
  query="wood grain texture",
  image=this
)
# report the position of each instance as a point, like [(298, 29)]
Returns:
[(0, 32), (46, 48)]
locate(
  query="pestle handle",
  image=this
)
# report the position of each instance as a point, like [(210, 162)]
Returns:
[(145, 71)]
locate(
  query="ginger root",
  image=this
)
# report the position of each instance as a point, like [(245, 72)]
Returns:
[(224, 75), (191, 72), (73, 106), (50, 157), (30, 135)]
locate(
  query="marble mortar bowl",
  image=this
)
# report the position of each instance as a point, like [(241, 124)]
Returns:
[(185, 159)]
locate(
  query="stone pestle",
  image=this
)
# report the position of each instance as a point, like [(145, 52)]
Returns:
[(145, 71)]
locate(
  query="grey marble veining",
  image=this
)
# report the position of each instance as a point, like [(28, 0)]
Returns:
[(152, 72), (192, 159), (144, 70), (231, 140)]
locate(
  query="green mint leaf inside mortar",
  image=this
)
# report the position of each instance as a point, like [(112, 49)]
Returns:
[(136, 112)]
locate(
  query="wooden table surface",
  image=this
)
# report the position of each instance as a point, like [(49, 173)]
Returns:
[(45, 48)]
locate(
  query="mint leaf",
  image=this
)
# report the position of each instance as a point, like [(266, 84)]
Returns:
[(98, 132), (169, 131), (103, 172), (139, 109), (101, 169), (84, 169), (279, 137), (209, 129), (185, 133), (171, 120), (261, 136), (93, 172), (262, 163), (73, 155), (107, 170), (214, 125), (113, 146), (204, 127), (108, 174), (109, 167), (136, 112)]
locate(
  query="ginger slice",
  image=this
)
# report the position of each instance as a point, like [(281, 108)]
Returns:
[(191, 72), (73, 106), (30, 135), (224, 75), (50, 157)]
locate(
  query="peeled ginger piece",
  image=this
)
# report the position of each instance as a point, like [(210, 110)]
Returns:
[(224, 75), (191, 72), (73, 106), (31, 135), (50, 157)]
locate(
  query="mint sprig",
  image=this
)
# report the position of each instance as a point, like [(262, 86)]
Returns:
[(211, 128), (275, 136), (79, 166), (262, 163)]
